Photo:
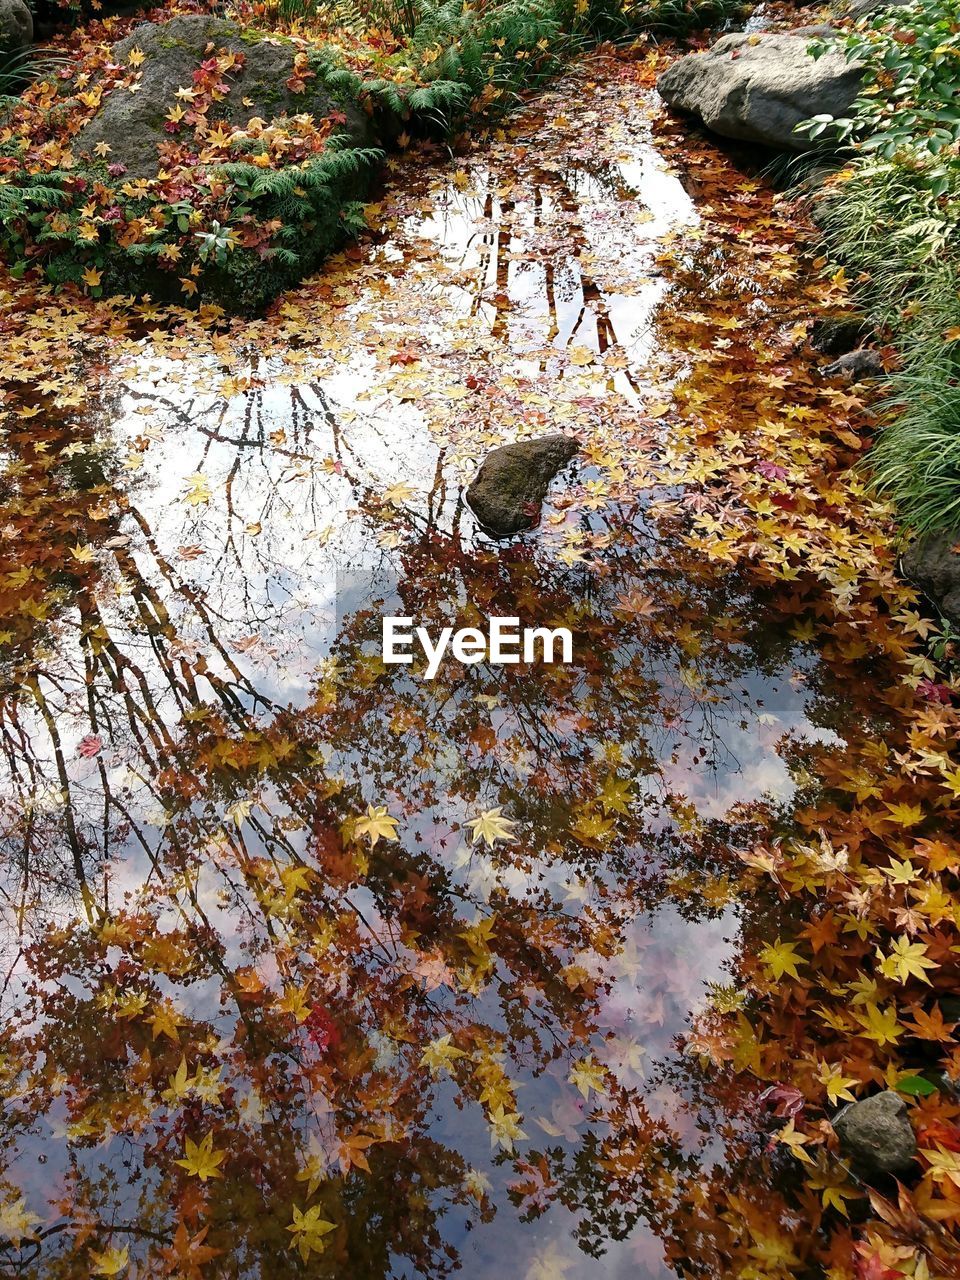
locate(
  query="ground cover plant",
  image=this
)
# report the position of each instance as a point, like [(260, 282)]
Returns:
[(891, 216)]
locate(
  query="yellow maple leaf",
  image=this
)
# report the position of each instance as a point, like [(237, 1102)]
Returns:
[(490, 827), (296, 1000), (780, 958), (198, 489), (900, 872), (504, 1127), (179, 1084), (944, 1164), (376, 825), (295, 879), (111, 1262), (837, 1085), (907, 815), (165, 1022), (834, 1190), (440, 1054), (398, 493), (200, 1160), (880, 1025), (588, 1074), (789, 1136), (17, 1222), (309, 1230), (906, 959)]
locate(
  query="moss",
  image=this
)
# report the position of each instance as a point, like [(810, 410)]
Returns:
[(269, 92), (251, 35)]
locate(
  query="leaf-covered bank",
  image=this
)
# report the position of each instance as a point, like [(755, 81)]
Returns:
[(264, 138)]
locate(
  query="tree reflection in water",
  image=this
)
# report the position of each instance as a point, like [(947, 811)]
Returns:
[(268, 1008), (194, 897)]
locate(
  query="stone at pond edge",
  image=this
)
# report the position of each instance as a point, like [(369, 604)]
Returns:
[(132, 124), (932, 564), (16, 26), (513, 480), (758, 88), (876, 1134), (862, 363)]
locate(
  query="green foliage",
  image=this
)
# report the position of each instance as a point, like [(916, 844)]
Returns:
[(666, 17), (452, 56), (397, 16), (893, 219), (308, 208), (916, 1086), (908, 94), (899, 239), (19, 68), (33, 194)]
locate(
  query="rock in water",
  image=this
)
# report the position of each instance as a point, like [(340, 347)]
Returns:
[(758, 88), (876, 1134), (16, 26), (513, 481), (132, 124), (933, 565)]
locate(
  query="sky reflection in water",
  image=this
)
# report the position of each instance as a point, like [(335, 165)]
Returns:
[(243, 718)]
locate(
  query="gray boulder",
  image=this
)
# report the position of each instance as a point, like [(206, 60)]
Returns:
[(932, 564), (758, 88), (876, 1134), (132, 124), (16, 26), (864, 362), (506, 492), (867, 8)]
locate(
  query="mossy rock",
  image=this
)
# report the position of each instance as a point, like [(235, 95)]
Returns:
[(512, 482), (132, 124)]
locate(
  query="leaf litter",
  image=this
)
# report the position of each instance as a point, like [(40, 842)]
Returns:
[(314, 967)]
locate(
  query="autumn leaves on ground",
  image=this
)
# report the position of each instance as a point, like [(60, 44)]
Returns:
[(312, 967)]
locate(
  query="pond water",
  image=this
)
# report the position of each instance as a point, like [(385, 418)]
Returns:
[(490, 1055)]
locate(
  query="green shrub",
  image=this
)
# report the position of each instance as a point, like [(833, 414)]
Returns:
[(892, 217)]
